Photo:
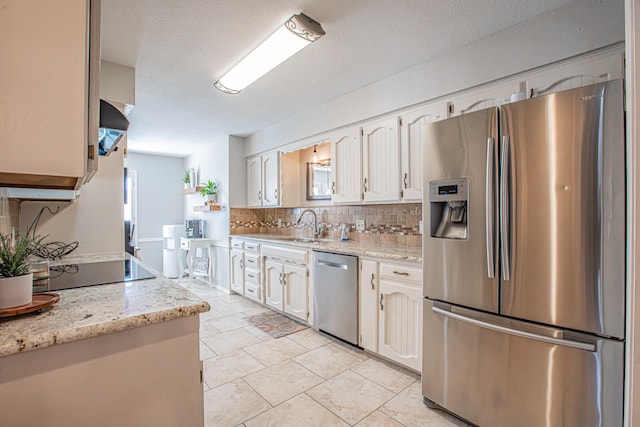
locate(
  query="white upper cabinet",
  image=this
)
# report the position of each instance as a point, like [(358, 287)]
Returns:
[(411, 148), (381, 160), (49, 91), (346, 166), (271, 179), (263, 180), (254, 181)]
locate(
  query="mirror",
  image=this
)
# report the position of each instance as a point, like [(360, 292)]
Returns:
[(319, 180)]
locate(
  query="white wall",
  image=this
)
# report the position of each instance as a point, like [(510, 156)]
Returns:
[(213, 163), (237, 176), (160, 201), (581, 26), (95, 219)]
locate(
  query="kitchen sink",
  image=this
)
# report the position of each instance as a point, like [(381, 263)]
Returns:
[(307, 239), (300, 239)]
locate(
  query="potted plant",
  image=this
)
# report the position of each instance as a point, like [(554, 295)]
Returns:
[(209, 191), (16, 282), (187, 179)]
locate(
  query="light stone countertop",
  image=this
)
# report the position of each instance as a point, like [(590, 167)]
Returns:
[(98, 310), (350, 247)]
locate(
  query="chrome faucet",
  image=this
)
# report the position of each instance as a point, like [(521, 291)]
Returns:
[(316, 230)]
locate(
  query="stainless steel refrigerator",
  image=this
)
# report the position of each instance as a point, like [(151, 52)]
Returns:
[(524, 261)]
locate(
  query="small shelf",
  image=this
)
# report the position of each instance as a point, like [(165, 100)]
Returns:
[(207, 208), (192, 190)]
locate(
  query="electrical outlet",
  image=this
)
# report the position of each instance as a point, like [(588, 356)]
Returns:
[(359, 224), (279, 222), (420, 227)]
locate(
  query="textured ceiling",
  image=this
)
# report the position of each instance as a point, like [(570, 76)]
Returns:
[(180, 47)]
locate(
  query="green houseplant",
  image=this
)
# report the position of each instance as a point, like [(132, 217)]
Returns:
[(209, 191), (187, 179), (16, 282)]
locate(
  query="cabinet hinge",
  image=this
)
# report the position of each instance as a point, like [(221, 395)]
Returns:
[(450, 108), (400, 121), (361, 132), (401, 193)]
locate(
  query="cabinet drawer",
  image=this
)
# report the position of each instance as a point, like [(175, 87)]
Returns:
[(252, 247), (286, 254), (253, 291), (401, 272), (252, 261), (252, 276), (237, 244)]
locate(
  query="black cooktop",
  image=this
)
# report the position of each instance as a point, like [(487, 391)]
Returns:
[(69, 276)]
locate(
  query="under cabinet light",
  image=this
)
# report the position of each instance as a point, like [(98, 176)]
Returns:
[(298, 32)]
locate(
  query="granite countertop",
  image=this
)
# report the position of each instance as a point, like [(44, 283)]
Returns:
[(350, 247), (98, 310)]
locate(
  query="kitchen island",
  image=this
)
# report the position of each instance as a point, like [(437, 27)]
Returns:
[(124, 353)]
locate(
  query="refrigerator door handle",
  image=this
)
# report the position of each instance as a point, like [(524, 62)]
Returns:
[(504, 209), (489, 212), (516, 332)]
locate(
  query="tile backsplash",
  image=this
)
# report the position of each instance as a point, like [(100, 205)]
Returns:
[(396, 224)]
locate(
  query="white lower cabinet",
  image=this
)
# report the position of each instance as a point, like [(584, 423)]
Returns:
[(296, 291), (287, 288), (400, 314), (273, 284), (252, 274), (367, 305), (237, 271), (390, 311)]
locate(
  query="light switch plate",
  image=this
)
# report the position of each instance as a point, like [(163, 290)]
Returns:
[(359, 224)]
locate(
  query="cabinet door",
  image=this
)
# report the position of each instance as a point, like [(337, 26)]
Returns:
[(273, 278), (381, 160), (400, 323), (237, 271), (254, 181), (368, 305), (44, 91), (346, 166), (271, 179), (296, 291), (411, 148)]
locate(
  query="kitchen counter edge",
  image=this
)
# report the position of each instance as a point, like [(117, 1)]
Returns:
[(349, 247), (99, 310)]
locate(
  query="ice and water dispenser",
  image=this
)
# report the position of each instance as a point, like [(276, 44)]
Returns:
[(449, 201)]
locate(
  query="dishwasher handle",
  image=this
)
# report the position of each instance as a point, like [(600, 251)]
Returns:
[(333, 265)]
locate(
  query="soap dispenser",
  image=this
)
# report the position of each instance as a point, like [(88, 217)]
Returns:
[(345, 233)]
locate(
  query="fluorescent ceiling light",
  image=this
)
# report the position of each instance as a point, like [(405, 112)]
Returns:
[(298, 32)]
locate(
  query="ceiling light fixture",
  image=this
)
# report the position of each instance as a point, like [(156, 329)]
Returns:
[(298, 32), (315, 155)]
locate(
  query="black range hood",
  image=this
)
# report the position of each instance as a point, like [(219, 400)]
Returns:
[(113, 125)]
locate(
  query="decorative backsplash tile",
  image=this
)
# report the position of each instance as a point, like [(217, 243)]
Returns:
[(396, 224)]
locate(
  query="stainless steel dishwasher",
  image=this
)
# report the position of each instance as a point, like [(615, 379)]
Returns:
[(335, 291)]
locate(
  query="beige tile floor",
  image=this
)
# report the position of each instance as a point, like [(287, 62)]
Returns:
[(302, 379)]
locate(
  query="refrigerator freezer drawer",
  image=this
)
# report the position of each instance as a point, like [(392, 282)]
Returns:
[(536, 375)]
